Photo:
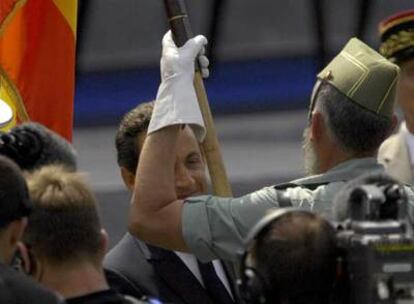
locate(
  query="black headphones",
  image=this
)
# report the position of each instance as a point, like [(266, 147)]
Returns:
[(251, 284)]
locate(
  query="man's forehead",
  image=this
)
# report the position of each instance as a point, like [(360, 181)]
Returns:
[(187, 133), (187, 142)]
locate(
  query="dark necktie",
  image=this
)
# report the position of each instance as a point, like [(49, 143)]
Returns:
[(213, 285)]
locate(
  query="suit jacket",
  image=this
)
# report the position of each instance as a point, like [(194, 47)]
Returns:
[(135, 268), (18, 288), (394, 155)]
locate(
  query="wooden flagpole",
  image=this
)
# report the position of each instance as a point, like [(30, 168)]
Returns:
[(181, 30)]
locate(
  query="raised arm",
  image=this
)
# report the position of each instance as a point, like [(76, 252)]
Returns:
[(155, 212)]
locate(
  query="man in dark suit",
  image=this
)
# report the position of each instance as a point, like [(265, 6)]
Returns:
[(134, 267)]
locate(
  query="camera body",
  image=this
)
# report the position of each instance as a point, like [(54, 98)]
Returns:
[(377, 247), (31, 146)]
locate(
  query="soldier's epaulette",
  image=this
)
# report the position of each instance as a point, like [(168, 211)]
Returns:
[(312, 186), (284, 199)]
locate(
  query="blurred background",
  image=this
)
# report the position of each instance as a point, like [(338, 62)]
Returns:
[(264, 57)]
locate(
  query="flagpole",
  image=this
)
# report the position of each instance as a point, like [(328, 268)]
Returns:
[(181, 30)]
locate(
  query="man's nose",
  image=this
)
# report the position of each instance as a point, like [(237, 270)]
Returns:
[(184, 181)]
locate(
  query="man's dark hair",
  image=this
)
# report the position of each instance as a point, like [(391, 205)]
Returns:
[(357, 130), (64, 225), (133, 123), (14, 196), (296, 257)]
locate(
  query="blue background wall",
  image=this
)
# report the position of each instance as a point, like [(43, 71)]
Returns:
[(264, 52), (261, 85)]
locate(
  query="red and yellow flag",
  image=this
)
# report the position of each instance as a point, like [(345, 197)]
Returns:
[(37, 61)]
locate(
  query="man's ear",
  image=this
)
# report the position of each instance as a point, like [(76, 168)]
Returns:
[(19, 230), (129, 178), (317, 126), (27, 263), (104, 241), (12, 235)]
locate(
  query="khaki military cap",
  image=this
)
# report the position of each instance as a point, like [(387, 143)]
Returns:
[(364, 76)]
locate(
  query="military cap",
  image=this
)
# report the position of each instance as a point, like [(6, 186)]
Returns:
[(397, 37), (364, 76)]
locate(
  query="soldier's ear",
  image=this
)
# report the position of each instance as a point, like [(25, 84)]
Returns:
[(317, 127)]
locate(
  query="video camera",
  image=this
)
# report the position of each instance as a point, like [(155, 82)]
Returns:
[(23, 147), (376, 242), (31, 145), (372, 252)]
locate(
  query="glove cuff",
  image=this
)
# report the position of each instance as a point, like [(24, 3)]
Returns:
[(177, 104)]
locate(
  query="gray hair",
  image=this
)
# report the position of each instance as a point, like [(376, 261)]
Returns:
[(355, 129)]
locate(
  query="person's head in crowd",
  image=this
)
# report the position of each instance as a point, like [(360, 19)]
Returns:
[(190, 175), (290, 258), (15, 206), (32, 146), (350, 113), (397, 45), (65, 240)]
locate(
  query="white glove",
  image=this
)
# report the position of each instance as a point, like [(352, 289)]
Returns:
[(176, 101)]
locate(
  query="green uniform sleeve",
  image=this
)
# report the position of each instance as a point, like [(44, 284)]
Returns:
[(214, 227)]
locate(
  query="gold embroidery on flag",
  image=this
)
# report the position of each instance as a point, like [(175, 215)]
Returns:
[(10, 94), (17, 5)]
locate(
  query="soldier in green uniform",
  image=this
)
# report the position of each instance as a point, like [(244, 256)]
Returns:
[(351, 113)]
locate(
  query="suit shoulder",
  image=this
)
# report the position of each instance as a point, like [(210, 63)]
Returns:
[(23, 289), (128, 267), (126, 250)]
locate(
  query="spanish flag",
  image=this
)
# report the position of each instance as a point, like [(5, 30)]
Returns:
[(37, 61)]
